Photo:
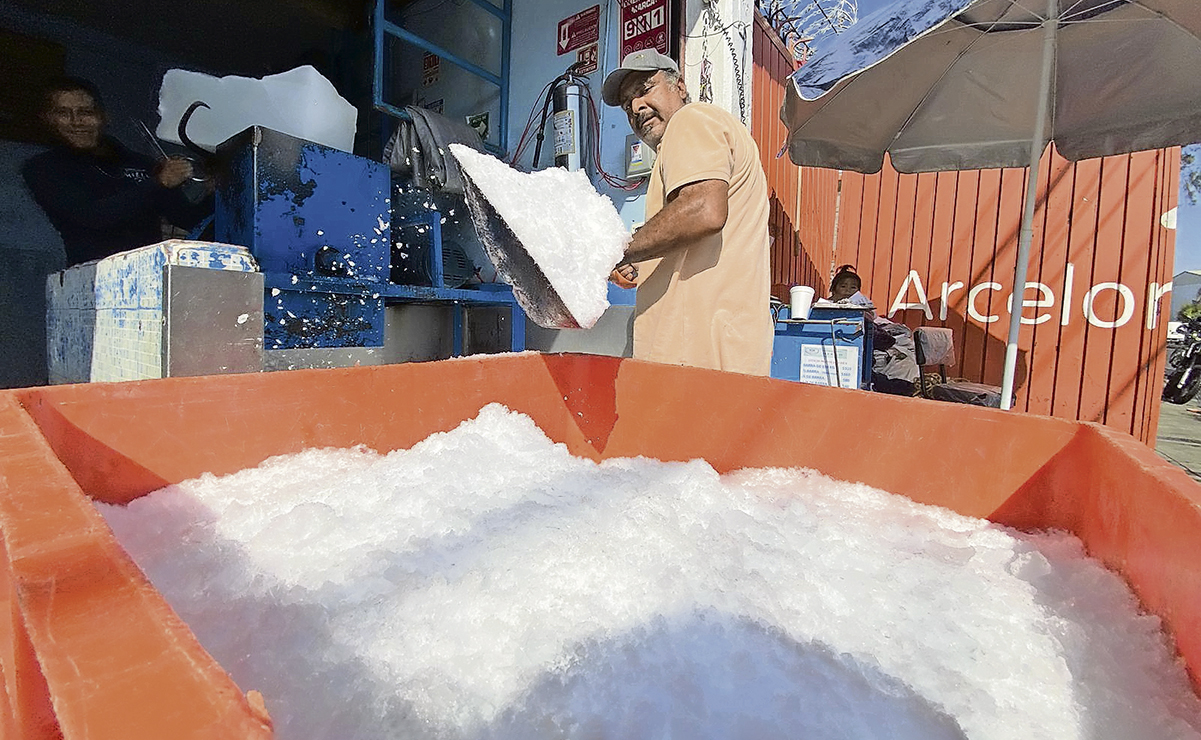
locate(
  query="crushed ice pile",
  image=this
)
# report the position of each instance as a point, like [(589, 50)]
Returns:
[(488, 584), (573, 233)]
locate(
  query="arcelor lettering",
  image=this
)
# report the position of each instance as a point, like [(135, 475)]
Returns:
[(947, 290), (1154, 292), (1046, 299), (971, 303), (1069, 275), (1127, 305), (914, 280), (912, 296)]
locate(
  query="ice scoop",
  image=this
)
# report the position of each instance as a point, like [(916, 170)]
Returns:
[(533, 291), (550, 235)]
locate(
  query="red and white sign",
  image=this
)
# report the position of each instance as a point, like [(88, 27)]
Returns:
[(578, 30), (586, 60), (430, 68), (643, 25)]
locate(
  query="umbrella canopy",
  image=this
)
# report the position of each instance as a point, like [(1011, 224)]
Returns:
[(972, 84), (804, 24), (953, 84)]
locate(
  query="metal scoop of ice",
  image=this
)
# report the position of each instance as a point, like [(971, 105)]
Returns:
[(534, 293), (549, 234)]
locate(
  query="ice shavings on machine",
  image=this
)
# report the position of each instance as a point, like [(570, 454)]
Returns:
[(487, 584), (299, 102), (549, 233)]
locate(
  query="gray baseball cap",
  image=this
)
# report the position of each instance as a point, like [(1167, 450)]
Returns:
[(645, 60)]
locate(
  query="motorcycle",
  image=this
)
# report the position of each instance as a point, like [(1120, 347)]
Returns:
[(1183, 371)]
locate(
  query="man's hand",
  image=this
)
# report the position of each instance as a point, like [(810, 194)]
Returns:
[(623, 276), (173, 172)]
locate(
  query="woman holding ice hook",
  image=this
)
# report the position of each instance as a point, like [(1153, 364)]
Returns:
[(702, 259)]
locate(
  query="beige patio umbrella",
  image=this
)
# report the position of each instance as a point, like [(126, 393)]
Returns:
[(971, 84)]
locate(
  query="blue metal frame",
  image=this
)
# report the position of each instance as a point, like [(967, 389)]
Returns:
[(459, 298), (383, 28)]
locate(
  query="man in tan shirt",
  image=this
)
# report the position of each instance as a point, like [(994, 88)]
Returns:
[(702, 258)]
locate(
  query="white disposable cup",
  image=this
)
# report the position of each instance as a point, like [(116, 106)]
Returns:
[(801, 300)]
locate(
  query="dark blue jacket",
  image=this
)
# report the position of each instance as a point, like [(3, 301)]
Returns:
[(102, 204)]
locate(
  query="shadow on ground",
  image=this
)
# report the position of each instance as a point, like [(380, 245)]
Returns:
[(1179, 437)]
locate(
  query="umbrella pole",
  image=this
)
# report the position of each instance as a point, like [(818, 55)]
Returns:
[(1026, 234)]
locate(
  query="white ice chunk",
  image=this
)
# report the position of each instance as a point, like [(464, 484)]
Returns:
[(299, 102), (573, 233)]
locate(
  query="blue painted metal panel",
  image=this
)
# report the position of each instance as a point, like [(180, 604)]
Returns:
[(309, 211), (105, 319), (319, 223), (506, 46), (293, 203), (303, 318), (815, 350), (377, 62)]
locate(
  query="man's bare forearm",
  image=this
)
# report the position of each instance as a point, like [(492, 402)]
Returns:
[(696, 211)]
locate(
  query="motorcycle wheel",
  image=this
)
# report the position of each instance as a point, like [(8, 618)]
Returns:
[(1179, 389), (1175, 357)]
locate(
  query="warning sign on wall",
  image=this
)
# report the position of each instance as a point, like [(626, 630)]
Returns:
[(578, 30), (430, 68), (643, 25), (586, 60)]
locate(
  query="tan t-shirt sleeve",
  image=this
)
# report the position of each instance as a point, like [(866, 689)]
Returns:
[(696, 150)]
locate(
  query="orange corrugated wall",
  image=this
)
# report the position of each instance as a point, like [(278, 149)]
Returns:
[(803, 200), (1097, 236)]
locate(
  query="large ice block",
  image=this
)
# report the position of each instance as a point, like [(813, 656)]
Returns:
[(299, 102)]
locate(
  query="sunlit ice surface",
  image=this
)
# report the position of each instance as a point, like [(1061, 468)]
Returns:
[(487, 584), (571, 232)]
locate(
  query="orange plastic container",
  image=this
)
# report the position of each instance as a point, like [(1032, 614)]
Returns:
[(89, 649)]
